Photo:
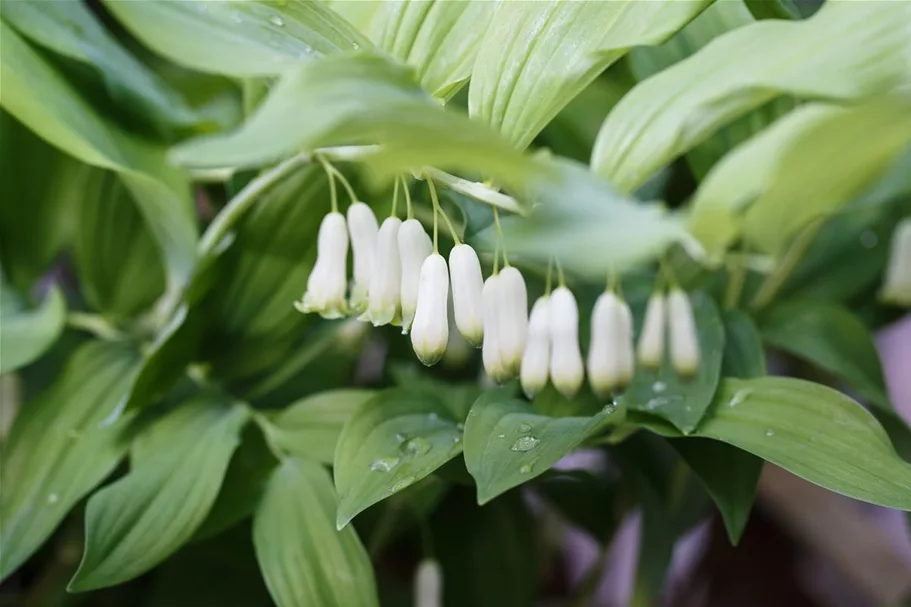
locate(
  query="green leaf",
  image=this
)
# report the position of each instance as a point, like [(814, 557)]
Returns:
[(671, 112), (773, 9), (143, 518), (120, 272), (537, 56), (71, 29), (25, 334), (440, 39), (813, 432), (238, 38), (392, 441), (663, 393), (304, 560), (832, 338), (586, 499), (58, 450), (744, 356), (45, 102), (507, 443), (311, 427)]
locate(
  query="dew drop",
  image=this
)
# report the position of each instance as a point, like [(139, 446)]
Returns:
[(770, 432), (276, 21), (401, 438), (526, 468), (402, 483), (53, 498), (609, 408), (740, 396), (433, 416), (456, 439), (524, 427), (460, 427), (656, 403), (525, 443), (501, 436), (417, 446), (659, 386), (869, 239), (384, 464)]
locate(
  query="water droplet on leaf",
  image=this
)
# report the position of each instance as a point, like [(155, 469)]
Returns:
[(417, 446), (401, 438), (525, 443), (53, 498), (526, 468), (524, 428), (384, 464), (276, 21), (659, 386), (770, 432), (740, 396), (402, 483)]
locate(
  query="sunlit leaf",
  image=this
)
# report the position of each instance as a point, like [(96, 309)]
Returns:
[(26, 333)]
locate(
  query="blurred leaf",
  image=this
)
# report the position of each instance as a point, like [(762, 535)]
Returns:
[(37, 95), (585, 499), (507, 443), (26, 333), (439, 38), (773, 9), (58, 450), (70, 29), (489, 555), (357, 99), (537, 56), (311, 427), (120, 272), (846, 51), (304, 560), (813, 432), (744, 356), (392, 441), (682, 402), (144, 517), (359, 14), (238, 38)]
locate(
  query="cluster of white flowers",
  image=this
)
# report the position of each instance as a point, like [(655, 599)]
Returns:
[(674, 313)]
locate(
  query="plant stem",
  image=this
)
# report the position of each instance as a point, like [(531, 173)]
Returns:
[(775, 281), (94, 324), (500, 240), (478, 191), (737, 274), (438, 208)]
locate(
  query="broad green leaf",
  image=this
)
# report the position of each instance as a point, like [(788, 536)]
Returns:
[(72, 30), (507, 443), (439, 38), (238, 38), (58, 449), (304, 559), (773, 9), (682, 402), (813, 432), (358, 13), (537, 56), (143, 518), (311, 426), (848, 50), (357, 99), (744, 356), (45, 102), (831, 337), (26, 333), (120, 272), (392, 441)]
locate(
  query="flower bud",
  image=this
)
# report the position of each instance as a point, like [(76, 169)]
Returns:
[(385, 284), (467, 284), (897, 286), (513, 321), (684, 341), (328, 281), (651, 339), (414, 247), (428, 584), (604, 358), (430, 331), (536, 359), (363, 229), (490, 350), (566, 368)]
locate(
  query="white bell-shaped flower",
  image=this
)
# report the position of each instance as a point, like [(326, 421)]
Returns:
[(627, 357), (536, 359), (414, 247), (513, 320), (610, 352), (684, 341), (467, 285), (363, 229), (897, 285), (428, 584), (566, 367), (430, 331), (490, 350), (651, 338), (328, 281), (384, 294)]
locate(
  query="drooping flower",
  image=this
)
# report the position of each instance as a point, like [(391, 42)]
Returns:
[(328, 281), (684, 342), (385, 285), (897, 285), (490, 350), (430, 330), (627, 358), (363, 229), (467, 286), (610, 351), (566, 367), (513, 321), (536, 359), (651, 339), (414, 247), (428, 584)]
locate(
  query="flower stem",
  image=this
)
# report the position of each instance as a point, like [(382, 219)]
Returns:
[(395, 198), (438, 208), (408, 208), (478, 191), (500, 240), (775, 281)]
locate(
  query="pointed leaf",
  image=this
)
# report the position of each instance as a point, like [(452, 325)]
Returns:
[(537, 56), (143, 518), (814, 432), (848, 50), (392, 441), (25, 334), (507, 443), (744, 356), (58, 449), (304, 560)]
